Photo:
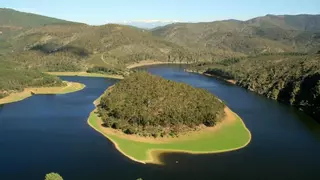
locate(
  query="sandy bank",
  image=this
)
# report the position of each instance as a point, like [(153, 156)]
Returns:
[(27, 92), (85, 74), (232, 81), (150, 62)]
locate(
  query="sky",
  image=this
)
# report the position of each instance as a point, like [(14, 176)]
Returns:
[(97, 12)]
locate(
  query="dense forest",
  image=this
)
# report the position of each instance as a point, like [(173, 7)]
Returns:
[(14, 78), (292, 78), (149, 105)]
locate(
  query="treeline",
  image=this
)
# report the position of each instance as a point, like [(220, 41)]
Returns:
[(149, 105), (108, 70), (292, 78), (14, 78), (55, 61)]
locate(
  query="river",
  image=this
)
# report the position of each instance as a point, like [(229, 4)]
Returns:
[(49, 133)]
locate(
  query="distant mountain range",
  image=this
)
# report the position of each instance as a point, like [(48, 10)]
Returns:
[(148, 24), (269, 33)]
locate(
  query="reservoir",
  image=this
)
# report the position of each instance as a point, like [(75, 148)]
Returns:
[(49, 133)]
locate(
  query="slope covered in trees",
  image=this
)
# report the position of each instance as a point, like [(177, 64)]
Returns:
[(79, 47), (13, 22), (56, 45), (149, 105), (269, 33), (290, 78), (14, 78)]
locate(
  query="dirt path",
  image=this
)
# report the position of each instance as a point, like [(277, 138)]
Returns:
[(151, 62)]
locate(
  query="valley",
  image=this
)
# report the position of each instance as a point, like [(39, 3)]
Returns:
[(186, 100)]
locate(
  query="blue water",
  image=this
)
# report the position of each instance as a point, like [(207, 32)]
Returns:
[(49, 133)]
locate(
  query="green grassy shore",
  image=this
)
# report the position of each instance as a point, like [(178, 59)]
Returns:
[(227, 136)]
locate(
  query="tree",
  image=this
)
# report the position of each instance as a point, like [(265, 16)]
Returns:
[(53, 176)]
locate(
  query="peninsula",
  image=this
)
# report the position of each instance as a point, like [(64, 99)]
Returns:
[(145, 115), (67, 87)]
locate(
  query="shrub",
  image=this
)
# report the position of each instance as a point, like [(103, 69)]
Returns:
[(53, 176)]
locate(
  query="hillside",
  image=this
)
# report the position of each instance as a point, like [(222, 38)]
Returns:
[(259, 35), (78, 47), (149, 105), (290, 78), (13, 22), (16, 20), (13, 78), (34, 44), (302, 22)]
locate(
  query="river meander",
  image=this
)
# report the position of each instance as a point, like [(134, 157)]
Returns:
[(49, 133)]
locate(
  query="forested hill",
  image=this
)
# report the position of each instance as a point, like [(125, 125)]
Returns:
[(269, 33), (13, 78), (290, 78), (13, 22), (302, 22), (149, 105), (78, 47)]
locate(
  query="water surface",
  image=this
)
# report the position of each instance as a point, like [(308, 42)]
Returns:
[(46, 133)]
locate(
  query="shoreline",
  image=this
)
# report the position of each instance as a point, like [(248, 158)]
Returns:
[(231, 81), (110, 139), (84, 74), (157, 152), (149, 63), (28, 92), (153, 154)]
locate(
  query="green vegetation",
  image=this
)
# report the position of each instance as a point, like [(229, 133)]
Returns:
[(149, 105), (259, 35), (14, 78), (53, 176), (12, 23), (55, 45), (107, 71), (290, 78), (68, 87), (85, 74), (10, 17), (229, 136), (78, 47)]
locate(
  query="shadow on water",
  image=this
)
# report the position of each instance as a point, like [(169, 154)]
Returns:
[(50, 134), (309, 122)]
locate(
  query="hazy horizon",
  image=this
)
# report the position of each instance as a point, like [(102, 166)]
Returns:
[(98, 12)]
